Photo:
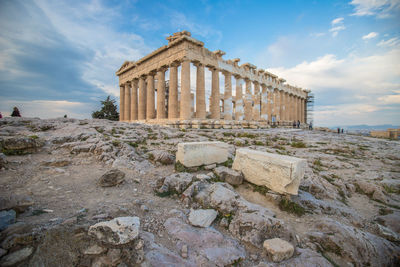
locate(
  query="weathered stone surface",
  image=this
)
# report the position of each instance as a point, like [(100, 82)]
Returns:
[(57, 162), (209, 244), (228, 175), (307, 258), (349, 245), (16, 256), (111, 178), (391, 221), (372, 190), (2, 252), (202, 218), (278, 249), (218, 196), (7, 218), (21, 145), (202, 153), (280, 173), (16, 202), (94, 250), (3, 160), (118, 231), (163, 157)]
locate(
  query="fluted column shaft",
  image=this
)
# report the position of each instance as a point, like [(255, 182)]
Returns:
[(214, 102), (257, 101), (287, 107), (264, 103), (277, 104), (134, 100), (121, 102), (270, 109), (228, 96), (161, 112), (185, 91), (282, 105), (239, 100), (142, 98), (150, 98), (248, 113), (200, 92), (296, 101), (127, 109), (173, 92)]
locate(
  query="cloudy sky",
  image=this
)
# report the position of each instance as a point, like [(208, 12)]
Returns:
[(60, 57)]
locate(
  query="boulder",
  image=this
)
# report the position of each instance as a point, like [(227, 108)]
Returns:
[(118, 231), (163, 157), (306, 258), (278, 249), (3, 160), (202, 218), (21, 145), (16, 256), (111, 178), (228, 175), (202, 153), (175, 183), (94, 250), (7, 218), (279, 173)]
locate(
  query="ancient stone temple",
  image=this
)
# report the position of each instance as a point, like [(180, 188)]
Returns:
[(147, 95)]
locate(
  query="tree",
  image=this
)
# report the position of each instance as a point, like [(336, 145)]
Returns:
[(108, 110)]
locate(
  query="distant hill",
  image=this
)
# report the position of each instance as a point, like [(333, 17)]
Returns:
[(364, 127)]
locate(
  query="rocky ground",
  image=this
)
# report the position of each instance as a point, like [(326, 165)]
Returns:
[(61, 206)]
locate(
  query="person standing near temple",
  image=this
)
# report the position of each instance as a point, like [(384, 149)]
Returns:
[(15, 112)]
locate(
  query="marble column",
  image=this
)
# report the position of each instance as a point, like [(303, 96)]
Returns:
[(282, 105), (291, 98), (185, 112), (287, 106), (161, 112), (248, 112), (228, 96), (270, 98), (276, 104), (264, 103), (214, 101), (134, 100), (200, 92), (150, 98), (257, 101), (299, 108), (239, 99), (121, 102), (142, 98), (173, 92), (127, 109)]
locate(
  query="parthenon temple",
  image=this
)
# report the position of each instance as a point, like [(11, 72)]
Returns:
[(147, 95)]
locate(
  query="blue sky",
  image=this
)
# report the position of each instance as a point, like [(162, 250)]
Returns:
[(60, 57)]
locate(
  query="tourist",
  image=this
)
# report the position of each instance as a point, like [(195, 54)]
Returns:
[(342, 130), (310, 126), (338, 130), (1, 116), (298, 124), (15, 112), (294, 124)]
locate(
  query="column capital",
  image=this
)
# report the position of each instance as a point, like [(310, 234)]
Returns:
[(237, 76), (197, 63), (225, 73), (212, 68), (175, 63), (163, 68)]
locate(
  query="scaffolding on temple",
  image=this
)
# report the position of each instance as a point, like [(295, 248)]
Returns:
[(310, 108)]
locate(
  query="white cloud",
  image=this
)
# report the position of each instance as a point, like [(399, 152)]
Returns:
[(378, 8), (370, 35), (46, 109), (390, 42), (337, 26), (353, 89), (89, 26), (337, 21)]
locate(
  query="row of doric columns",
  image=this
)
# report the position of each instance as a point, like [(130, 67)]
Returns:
[(264, 103)]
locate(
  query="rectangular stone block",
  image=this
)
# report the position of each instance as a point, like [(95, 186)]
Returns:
[(279, 173), (202, 153)]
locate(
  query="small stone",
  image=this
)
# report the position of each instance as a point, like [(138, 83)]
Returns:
[(7, 218), (278, 249), (210, 167), (203, 177), (114, 256), (94, 250), (253, 257), (202, 218), (111, 178), (118, 231), (139, 245), (228, 175), (144, 208), (184, 251), (224, 223), (16, 256)]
